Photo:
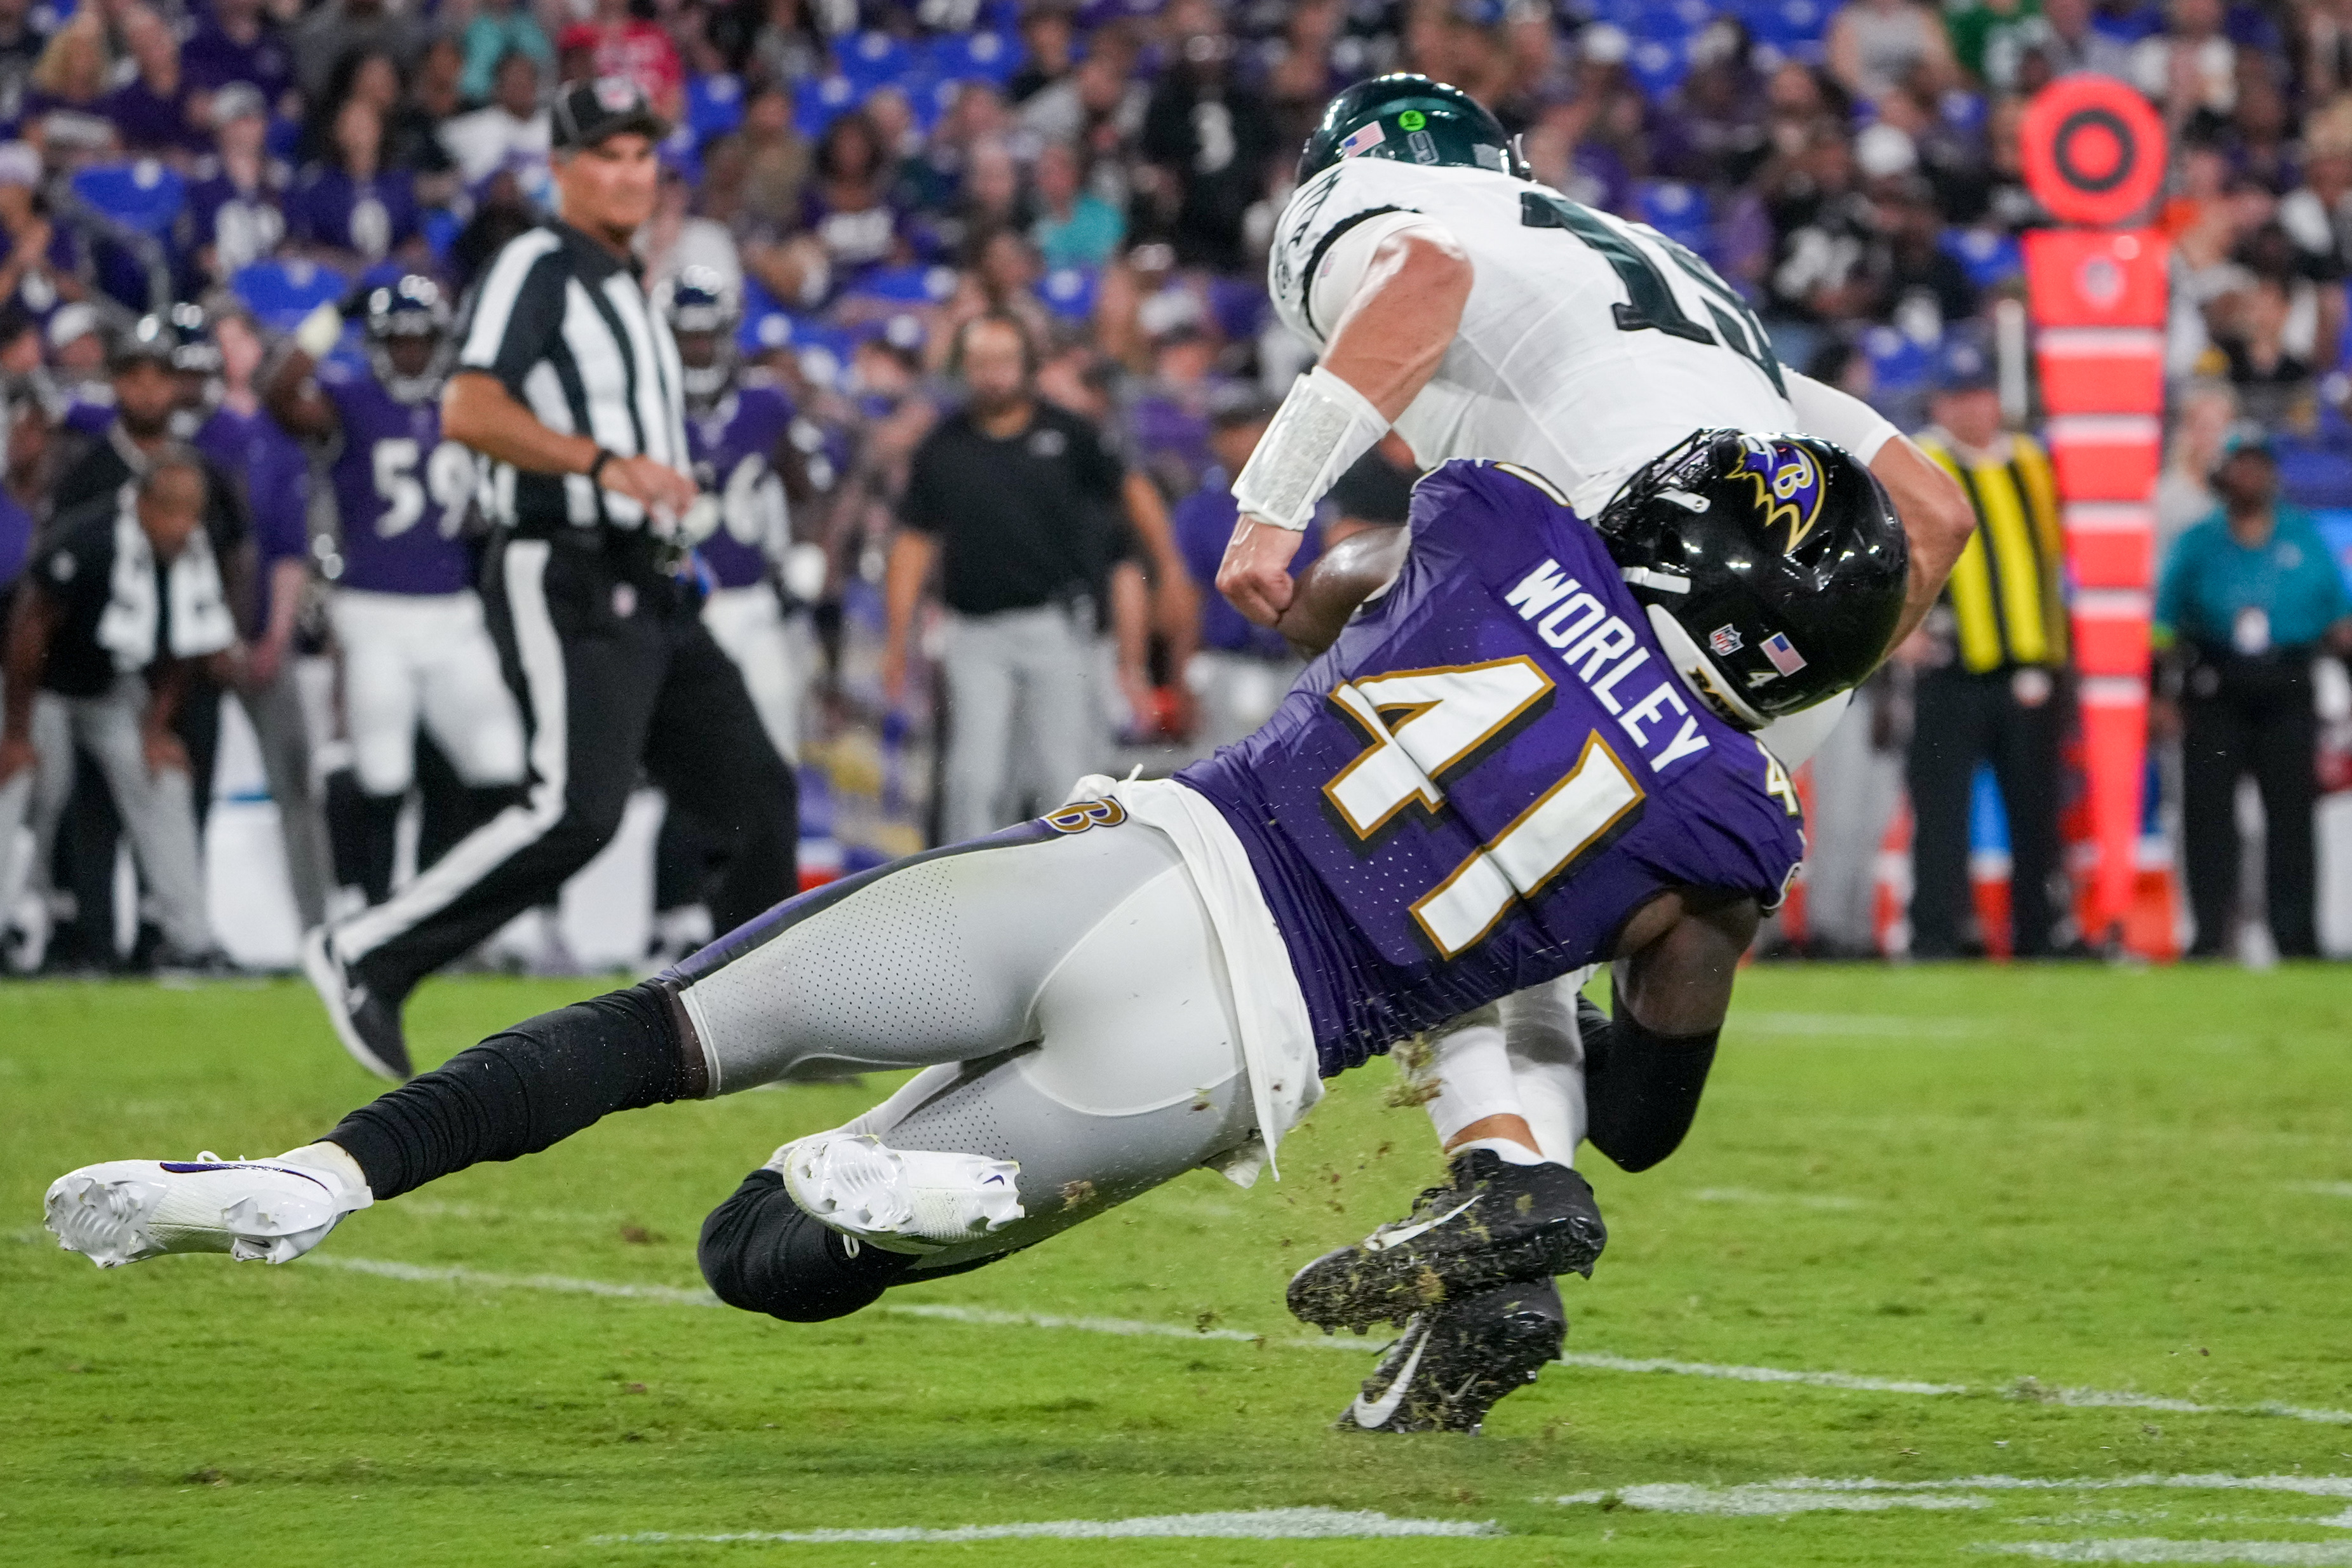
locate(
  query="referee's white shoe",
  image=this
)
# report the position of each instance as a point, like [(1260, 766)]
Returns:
[(269, 1211), (367, 1024), (901, 1200)]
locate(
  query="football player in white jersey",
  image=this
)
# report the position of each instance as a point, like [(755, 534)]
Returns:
[(1482, 314)]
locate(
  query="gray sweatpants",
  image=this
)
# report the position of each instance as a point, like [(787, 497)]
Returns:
[(1855, 790), (1063, 990), (1024, 676), (158, 810), (276, 712)]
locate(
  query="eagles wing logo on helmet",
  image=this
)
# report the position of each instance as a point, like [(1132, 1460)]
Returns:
[(1789, 486)]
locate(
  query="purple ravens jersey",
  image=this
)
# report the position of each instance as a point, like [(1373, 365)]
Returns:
[(401, 491), (733, 447), (1488, 773)]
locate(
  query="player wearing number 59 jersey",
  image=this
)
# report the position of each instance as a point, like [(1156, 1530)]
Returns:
[(414, 644)]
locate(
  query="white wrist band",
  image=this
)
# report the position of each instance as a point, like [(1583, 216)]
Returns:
[(1317, 433), (320, 330)]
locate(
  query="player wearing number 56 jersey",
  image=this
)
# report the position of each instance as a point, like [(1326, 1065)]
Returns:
[(1496, 775), (416, 647), (738, 425)]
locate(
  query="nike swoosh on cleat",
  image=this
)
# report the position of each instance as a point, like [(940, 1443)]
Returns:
[(191, 1167), (1375, 1413), (1382, 1242)]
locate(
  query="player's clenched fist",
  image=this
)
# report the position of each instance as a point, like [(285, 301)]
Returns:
[(1256, 573)]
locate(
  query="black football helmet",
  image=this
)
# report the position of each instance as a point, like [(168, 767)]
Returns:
[(1773, 567), (704, 308), (1412, 120), (410, 308)]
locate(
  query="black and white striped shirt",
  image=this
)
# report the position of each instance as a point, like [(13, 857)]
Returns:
[(564, 324)]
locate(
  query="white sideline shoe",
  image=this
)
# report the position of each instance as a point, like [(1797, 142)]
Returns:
[(125, 1210), (901, 1200)]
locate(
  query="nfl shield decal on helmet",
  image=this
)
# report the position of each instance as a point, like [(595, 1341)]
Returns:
[(1362, 139), (1782, 652), (1725, 640)]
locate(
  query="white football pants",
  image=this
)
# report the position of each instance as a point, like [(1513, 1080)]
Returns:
[(1064, 991), (425, 656), (776, 656)]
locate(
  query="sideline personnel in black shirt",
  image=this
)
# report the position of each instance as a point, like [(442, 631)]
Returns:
[(1018, 503)]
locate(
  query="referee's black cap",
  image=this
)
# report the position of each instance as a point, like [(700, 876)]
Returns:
[(586, 113)]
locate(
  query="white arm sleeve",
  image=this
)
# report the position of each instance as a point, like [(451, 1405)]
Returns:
[(1833, 415), (1341, 271)]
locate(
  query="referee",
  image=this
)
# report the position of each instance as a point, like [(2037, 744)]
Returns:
[(568, 387), (1991, 680)]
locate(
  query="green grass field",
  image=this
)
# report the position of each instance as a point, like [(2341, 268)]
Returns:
[(1991, 1199)]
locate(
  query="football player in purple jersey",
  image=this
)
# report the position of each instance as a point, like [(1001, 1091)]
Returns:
[(739, 430), (1513, 762), (416, 648)]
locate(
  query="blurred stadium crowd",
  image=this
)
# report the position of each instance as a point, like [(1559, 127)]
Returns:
[(870, 175)]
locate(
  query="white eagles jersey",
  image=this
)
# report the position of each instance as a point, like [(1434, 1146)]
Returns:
[(1589, 344)]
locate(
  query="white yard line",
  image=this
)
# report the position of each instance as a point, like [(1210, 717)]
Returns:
[(1814, 1494), (2322, 1189), (2159, 1549), (1254, 1524), (672, 1295)]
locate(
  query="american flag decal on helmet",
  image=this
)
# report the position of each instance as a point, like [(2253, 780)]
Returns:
[(1782, 652), (1364, 138)]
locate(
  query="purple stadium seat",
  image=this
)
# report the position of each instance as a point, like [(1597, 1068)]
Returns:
[(871, 58), (975, 56), (1990, 256), (915, 285), (143, 194), (1677, 211), (280, 293), (714, 104), (818, 106), (1659, 65), (1896, 363), (1069, 292)]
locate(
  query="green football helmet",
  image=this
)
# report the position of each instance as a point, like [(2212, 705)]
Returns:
[(1412, 120)]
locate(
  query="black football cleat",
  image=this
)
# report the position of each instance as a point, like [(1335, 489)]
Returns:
[(1493, 1223), (366, 1022), (1455, 1361)]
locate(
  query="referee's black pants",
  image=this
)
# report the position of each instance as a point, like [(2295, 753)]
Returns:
[(616, 673), (1961, 718), (2241, 717)]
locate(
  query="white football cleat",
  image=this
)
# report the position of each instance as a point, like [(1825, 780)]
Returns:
[(270, 1211), (901, 1200)]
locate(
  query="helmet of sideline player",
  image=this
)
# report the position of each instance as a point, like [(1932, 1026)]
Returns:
[(195, 357), (703, 306), (1412, 120), (407, 328), (1773, 567)]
